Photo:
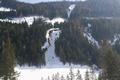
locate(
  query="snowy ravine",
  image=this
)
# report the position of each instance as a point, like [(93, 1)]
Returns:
[(90, 38), (70, 9)]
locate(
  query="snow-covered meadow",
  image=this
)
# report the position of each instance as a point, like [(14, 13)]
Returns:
[(32, 73)]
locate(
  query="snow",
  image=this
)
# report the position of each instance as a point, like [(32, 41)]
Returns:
[(30, 20), (50, 56), (55, 20), (43, 73), (115, 39), (4, 9), (70, 9), (37, 1), (90, 38), (89, 25), (20, 20)]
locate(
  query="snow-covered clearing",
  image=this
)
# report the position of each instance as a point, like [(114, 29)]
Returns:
[(55, 20), (44, 73), (4, 9)]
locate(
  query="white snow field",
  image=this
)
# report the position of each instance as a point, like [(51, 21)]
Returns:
[(4, 9), (44, 73), (55, 20)]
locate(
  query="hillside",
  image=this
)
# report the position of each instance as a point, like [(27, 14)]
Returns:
[(59, 34)]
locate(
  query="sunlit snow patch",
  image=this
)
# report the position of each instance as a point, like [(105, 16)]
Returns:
[(4, 9), (55, 20), (20, 20), (28, 73)]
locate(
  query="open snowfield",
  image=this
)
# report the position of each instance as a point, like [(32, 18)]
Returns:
[(32, 73)]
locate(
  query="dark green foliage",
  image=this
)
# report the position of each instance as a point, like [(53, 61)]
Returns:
[(110, 64), (73, 47), (27, 41), (7, 61)]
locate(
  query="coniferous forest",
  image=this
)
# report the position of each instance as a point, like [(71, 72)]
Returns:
[(20, 44)]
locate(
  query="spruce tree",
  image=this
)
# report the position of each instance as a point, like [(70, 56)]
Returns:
[(78, 76), (110, 64), (71, 74), (87, 76), (7, 61)]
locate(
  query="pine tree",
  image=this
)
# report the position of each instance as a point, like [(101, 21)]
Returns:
[(67, 77), (71, 74), (78, 76), (8, 61), (110, 64), (57, 76), (87, 76), (92, 74), (62, 78)]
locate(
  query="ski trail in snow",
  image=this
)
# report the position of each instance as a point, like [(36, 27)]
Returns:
[(50, 57), (70, 9)]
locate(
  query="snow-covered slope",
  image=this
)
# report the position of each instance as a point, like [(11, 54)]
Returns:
[(4, 9), (70, 9), (50, 57), (90, 38), (115, 39)]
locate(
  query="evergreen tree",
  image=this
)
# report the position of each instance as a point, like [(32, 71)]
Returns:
[(62, 78), (67, 77), (78, 76), (7, 61), (87, 76), (71, 74), (110, 64)]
